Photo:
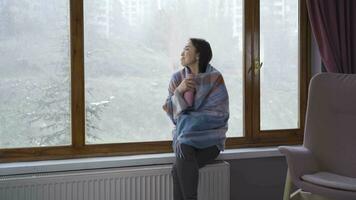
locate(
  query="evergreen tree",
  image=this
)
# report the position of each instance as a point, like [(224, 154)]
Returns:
[(50, 103)]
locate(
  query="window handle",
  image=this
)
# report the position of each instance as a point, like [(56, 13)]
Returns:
[(257, 65)]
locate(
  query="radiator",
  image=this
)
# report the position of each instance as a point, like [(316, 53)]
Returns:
[(133, 183)]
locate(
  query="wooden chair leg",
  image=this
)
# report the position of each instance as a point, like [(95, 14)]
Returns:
[(287, 187), (298, 194)]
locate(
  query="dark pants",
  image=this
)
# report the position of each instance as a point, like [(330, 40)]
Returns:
[(185, 170)]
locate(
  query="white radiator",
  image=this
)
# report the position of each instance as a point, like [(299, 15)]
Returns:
[(134, 183)]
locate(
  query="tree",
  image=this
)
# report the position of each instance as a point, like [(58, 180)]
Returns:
[(50, 113), (50, 107)]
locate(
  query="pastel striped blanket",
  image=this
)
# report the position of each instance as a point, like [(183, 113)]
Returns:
[(205, 123)]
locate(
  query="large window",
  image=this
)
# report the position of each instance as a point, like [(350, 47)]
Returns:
[(131, 50), (34, 74), (93, 81)]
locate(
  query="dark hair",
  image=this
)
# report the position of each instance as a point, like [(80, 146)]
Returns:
[(205, 54)]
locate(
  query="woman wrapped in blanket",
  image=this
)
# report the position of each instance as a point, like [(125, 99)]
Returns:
[(198, 105)]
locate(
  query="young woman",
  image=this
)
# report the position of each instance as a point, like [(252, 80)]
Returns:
[(198, 106)]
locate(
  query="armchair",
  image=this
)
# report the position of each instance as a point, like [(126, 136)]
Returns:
[(325, 166)]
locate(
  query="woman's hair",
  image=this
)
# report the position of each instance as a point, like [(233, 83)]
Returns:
[(203, 48)]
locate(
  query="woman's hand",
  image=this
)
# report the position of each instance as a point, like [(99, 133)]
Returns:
[(185, 85)]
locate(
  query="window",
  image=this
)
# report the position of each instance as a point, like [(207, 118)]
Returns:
[(279, 72), (131, 54), (34, 83), (122, 55)]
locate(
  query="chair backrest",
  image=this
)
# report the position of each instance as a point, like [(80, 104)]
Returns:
[(330, 129)]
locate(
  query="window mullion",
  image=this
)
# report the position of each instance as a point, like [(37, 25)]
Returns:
[(77, 72), (304, 62), (255, 57)]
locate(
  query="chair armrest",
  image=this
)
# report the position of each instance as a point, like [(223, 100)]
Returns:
[(300, 161)]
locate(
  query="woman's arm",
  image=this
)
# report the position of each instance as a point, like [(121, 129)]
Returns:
[(175, 103)]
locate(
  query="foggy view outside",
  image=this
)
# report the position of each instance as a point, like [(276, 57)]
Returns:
[(279, 73), (34, 73), (132, 47)]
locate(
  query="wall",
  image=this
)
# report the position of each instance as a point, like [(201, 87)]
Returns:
[(256, 179)]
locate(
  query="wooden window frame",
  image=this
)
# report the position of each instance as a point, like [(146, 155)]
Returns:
[(253, 136)]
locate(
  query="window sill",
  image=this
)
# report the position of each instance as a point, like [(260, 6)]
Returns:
[(18, 168)]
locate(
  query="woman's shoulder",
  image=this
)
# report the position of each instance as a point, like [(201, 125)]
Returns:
[(178, 75), (214, 70), (211, 72)]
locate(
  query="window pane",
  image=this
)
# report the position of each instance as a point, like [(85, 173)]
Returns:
[(34, 73), (132, 48), (279, 54)]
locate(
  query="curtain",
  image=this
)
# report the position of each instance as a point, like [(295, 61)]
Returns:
[(334, 26)]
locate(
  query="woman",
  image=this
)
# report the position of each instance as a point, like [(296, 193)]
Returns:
[(199, 133)]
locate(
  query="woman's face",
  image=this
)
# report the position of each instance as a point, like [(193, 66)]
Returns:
[(189, 55)]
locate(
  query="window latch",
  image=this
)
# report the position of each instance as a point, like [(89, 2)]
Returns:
[(257, 65)]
